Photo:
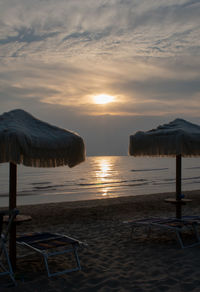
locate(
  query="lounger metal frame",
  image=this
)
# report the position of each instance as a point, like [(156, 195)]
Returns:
[(25, 241), (172, 224), (6, 269)]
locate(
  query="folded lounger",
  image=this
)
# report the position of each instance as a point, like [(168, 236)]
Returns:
[(172, 224), (51, 244), (5, 264)]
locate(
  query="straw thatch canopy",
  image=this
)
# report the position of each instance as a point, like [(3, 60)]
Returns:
[(27, 140), (179, 137)]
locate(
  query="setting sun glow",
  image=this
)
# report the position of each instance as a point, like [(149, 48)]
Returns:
[(103, 98)]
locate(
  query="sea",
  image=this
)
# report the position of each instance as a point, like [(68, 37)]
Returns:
[(99, 177)]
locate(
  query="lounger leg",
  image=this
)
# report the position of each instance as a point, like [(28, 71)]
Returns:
[(77, 257), (77, 268), (191, 245), (46, 264), (8, 271), (196, 232), (180, 239)]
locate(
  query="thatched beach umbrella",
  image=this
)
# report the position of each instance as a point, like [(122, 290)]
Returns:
[(29, 141), (178, 139)]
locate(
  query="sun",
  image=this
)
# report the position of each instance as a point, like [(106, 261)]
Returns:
[(103, 98)]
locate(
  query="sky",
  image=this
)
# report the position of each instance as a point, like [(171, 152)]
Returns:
[(56, 56)]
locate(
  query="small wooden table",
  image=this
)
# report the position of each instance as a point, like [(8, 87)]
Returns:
[(178, 202), (19, 218)]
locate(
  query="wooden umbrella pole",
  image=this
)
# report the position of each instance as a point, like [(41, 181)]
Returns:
[(12, 205), (178, 186)]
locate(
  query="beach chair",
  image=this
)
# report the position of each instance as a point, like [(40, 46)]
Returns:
[(193, 218), (51, 244), (5, 264), (178, 226)]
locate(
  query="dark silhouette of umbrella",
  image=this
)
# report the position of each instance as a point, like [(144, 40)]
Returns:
[(178, 139), (29, 141)]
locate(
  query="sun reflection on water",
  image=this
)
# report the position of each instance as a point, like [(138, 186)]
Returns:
[(104, 174), (103, 170)]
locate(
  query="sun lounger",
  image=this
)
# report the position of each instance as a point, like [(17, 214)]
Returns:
[(5, 264), (51, 244), (193, 218), (179, 226)]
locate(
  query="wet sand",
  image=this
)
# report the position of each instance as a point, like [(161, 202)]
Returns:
[(113, 261)]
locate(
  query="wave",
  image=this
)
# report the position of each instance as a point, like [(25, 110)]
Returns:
[(139, 184), (111, 182), (41, 183), (49, 187), (149, 169), (191, 178)]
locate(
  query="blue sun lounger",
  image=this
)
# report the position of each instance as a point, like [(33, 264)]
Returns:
[(179, 226), (5, 264), (51, 244)]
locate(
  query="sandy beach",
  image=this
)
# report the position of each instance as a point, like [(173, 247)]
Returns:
[(113, 261)]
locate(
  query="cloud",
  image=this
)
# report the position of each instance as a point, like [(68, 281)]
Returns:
[(125, 28), (24, 35), (55, 55), (139, 87)]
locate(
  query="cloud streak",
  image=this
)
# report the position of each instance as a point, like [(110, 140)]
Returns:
[(147, 27), (58, 54)]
